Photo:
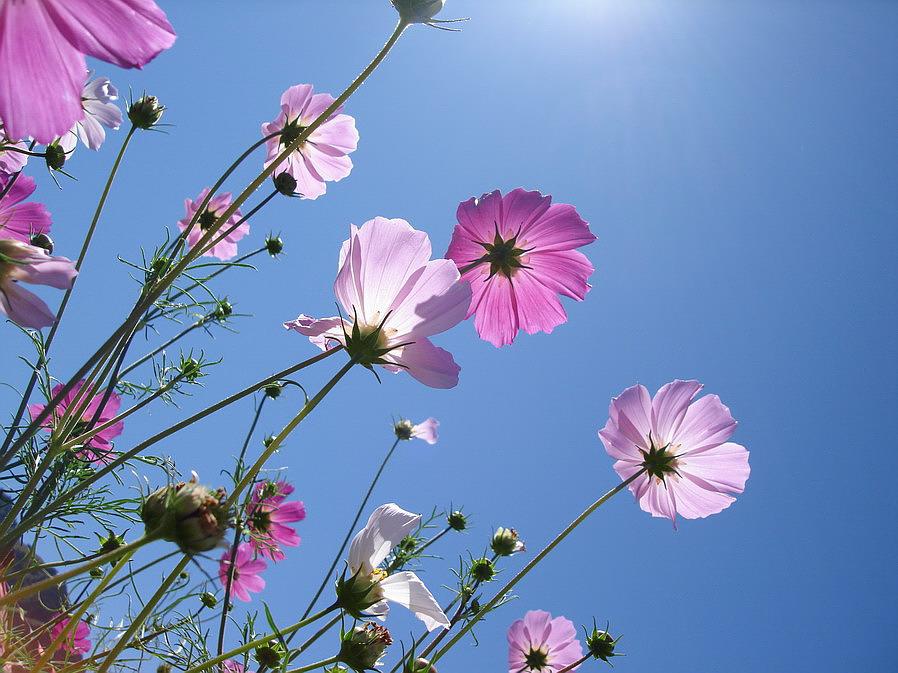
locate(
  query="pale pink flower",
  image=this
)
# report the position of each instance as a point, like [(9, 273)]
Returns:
[(426, 430), (226, 248), (231, 666), (541, 644), (267, 516), (395, 297), (386, 527), (24, 263), (690, 467), (20, 220), (517, 251), (42, 48), (77, 642), (10, 160), (96, 449), (99, 112), (323, 156), (246, 571)]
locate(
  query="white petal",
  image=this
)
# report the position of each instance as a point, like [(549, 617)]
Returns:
[(406, 589), (386, 526)]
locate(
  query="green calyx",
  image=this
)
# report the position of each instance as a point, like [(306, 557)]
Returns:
[(659, 462), (291, 131), (503, 256), (356, 594), (207, 219), (536, 660), (368, 346)]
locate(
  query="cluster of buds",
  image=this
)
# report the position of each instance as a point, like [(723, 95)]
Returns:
[(506, 542), (362, 648), (188, 514)]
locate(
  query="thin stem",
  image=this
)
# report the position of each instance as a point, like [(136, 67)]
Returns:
[(180, 335), (312, 667), (138, 621), (571, 667), (532, 564), (85, 483), (352, 526)]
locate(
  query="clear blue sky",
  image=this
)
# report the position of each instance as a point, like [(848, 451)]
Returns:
[(737, 162)]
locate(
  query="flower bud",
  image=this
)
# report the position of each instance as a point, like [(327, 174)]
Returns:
[(145, 112), (209, 599), (222, 310), (96, 573), (506, 542), (404, 429), (163, 668), (483, 570), (191, 369), (457, 520), (55, 157), (363, 646), (274, 245), (188, 514), (420, 665), (285, 184), (270, 655), (43, 241), (601, 644), (273, 390), (418, 11)]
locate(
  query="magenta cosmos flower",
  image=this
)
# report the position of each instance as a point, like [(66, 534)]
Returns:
[(267, 516), (541, 644), (77, 642), (42, 49), (23, 263), (322, 157), (396, 297), (226, 248), (690, 468), (97, 449), (246, 572), (20, 220), (231, 666), (517, 251)]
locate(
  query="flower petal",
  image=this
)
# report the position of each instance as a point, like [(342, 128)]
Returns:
[(406, 589), (386, 526), (428, 364)]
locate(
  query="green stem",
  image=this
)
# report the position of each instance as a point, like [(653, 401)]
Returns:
[(138, 621), (532, 564), (352, 526), (312, 667), (571, 667)]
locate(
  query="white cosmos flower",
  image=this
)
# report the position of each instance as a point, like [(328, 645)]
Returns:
[(386, 527)]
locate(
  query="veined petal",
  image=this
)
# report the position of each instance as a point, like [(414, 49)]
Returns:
[(386, 526), (24, 308), (669, 408), (406, 589), (428, 364), (707, 424)]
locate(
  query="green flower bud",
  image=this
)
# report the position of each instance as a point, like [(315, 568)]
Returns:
[(273, 390), (145, 112), (418, 11), (209, 599), (270, 655), (457, 520), (274, 245), (55, 157), (506, 542), (420, 665), (483, 570), (43, 241), (601, 644), (96, 573), (188, 514), (285, 184), (163, 668), (222, 310), (363, 646)]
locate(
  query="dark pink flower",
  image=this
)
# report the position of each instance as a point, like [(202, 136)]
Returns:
[(690, 467), (246, 572), (20, 220), (42, 48), (77, 642), (539, 644), (322, 157), (396, 297), (267, 515), (97, 449), (517, 251), (23, 263), (227, 247)]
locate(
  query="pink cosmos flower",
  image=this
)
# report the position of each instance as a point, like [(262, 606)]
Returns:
[(322, 157), (267, 515), (99, 112), (42, 49), (246, 572), (690, 467), (517, 251), (97, 449), (20, 262), (396, 297), (231, 666), (539, 643), (77, 642), (20, 220), (227, 247), (426, 430), (10, 160)]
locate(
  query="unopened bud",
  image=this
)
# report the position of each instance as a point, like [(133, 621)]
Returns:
[(96, 573), (285, 184), (270, 655), (420, 665), (601, 644), (418, 11), (222, 310), (363, 646), (208, 599), (273, 390), (163, 668), (55, 157), (483, 570), (274, 245), (189, 514), (43, 241), (506, 542), (145, 112), (457, 520)]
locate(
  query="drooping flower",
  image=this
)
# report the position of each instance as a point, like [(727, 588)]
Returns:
[(246, 572), (77, 642), (518, 253), (226, 248), (42, 48), (96, 449), (426, 430), (541, 644), (366, 588), (22, 221), (99, 112), (690, 467), (23, 263), (396, 297), (267, 516), (322, 157)]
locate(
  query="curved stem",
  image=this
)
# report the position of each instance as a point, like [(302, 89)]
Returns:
[(532, 564)]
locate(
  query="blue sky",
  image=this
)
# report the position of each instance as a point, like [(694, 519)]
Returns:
[(737, 162)]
